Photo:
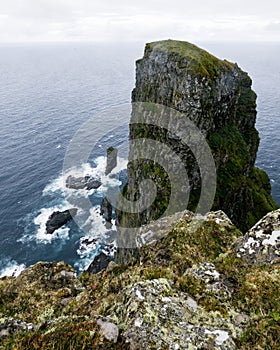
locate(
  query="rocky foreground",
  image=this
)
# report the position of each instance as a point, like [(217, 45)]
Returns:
[(200, 284)]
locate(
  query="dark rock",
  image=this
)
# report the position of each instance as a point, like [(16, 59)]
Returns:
[(92, 183), (216, 96), (100, 262), (86, 182), (106, 210), (111, 159), (59, 218)]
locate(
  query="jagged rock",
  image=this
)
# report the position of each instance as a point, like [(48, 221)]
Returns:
[(216, 96), (86, 182), (106, 210), (261, 244), (59, 218), (112, 154), (100, 262), (188, 291), (154, 315)]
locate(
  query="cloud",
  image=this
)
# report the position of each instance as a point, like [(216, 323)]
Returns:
[(274, 26), (123, 20)]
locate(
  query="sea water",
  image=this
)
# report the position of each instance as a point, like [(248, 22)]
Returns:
[(47, 92)]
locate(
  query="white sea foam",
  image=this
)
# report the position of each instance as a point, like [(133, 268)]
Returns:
[(40, 220), (11, 268), (59, 184), (97, 234), (41, 236)]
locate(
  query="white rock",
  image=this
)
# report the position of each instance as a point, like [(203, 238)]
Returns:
[(109, 330), (272, 240)]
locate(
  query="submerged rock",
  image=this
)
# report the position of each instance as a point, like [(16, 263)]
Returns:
[(86, 182), (59, 218)]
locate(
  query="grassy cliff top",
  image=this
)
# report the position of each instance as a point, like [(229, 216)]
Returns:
[(192, 57)]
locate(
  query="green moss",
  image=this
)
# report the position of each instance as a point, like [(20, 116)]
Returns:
[(198, 62), (69, 334), (255, 291), (230, 147)]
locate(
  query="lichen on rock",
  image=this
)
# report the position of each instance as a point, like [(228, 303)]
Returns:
[(261, 244), (155, 315)]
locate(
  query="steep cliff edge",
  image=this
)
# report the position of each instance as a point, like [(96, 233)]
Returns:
[(200, 285), (217, 97)]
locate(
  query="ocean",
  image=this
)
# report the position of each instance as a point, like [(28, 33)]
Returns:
[(47, 93)]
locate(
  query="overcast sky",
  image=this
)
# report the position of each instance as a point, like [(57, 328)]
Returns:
[(141, 20)]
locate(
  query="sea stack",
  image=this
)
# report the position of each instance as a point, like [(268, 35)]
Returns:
[(216, 96), (112, 154)]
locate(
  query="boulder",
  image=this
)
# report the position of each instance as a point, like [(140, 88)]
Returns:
[(86, 182), (108, 329), (59, 218), (100, 262)]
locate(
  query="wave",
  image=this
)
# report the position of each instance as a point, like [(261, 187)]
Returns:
[(10, 268), (41, 236), (89, 234), (58, 185)]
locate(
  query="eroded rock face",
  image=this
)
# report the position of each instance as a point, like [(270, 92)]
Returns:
[(217, 97), (261, 244)]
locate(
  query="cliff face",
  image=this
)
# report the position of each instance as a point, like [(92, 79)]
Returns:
[(217, 97)]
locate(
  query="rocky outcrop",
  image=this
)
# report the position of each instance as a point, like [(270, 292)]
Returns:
[(261, 244), (190, 289), (106, 210), (86, 182), (156, 316), (112, 154), (217, 97), (100, 262), (59, 218)]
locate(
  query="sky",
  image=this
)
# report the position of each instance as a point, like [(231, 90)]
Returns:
[(141, 20)]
